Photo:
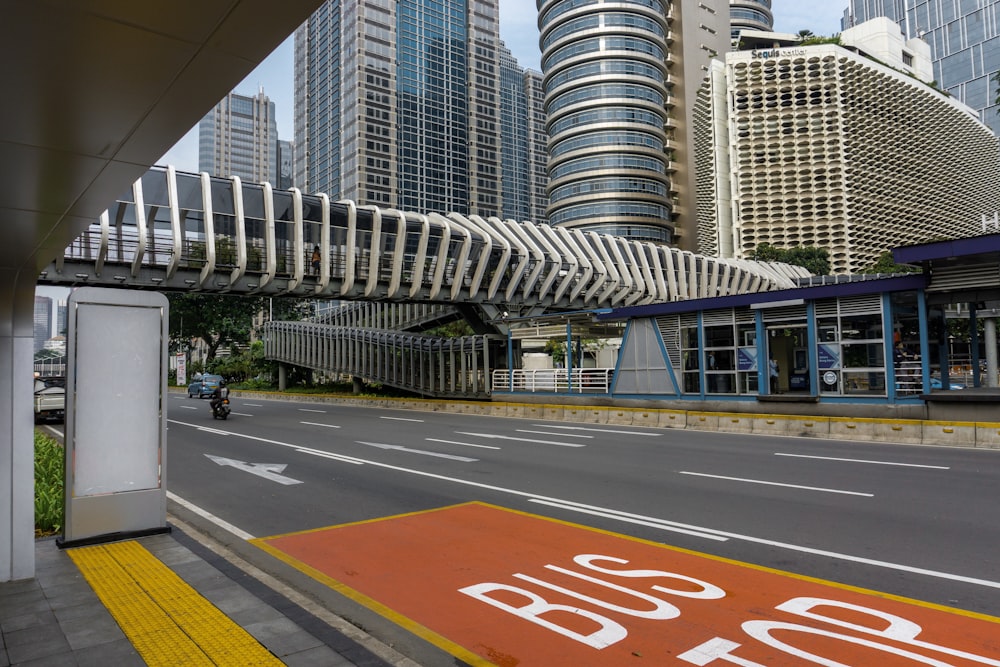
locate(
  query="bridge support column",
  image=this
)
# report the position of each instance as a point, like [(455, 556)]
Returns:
[(990, 336), (282, 376), (357, 384), (17, 444)]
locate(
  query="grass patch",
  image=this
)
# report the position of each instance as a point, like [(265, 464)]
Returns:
[(50, 466)]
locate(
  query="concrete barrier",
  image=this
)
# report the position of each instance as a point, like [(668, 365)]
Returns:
[(953, 434), (769, 424), (988, 435), (648, 418), (620, 416), (703, 421), (517, 410), (735, 422), (534, 411), (850, 428), (498, 409), (808, 426), (553, 412), (672, 418), (899, 430), (580, 415)]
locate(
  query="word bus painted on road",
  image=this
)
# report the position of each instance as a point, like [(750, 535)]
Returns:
[(498, 587)]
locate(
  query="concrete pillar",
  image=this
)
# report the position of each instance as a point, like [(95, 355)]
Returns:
[(17, 445), (357, 385), (282, 376), (990, 340)]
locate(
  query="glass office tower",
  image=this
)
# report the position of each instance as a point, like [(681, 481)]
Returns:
[(964, 39), (239, 137), (397, 104)]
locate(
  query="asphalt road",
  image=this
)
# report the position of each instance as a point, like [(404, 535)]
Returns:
[(915, 521)]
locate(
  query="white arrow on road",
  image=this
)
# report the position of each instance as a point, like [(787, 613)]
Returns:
[(400, 448), (266, 470)]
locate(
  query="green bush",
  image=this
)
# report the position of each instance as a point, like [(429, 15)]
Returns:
[(49, 475)]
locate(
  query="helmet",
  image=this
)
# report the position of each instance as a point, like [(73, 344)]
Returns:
[(222, 383)]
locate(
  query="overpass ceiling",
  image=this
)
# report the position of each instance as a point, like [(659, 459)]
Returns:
[(96, 91)]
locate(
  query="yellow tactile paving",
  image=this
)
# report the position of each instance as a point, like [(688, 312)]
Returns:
[(166, 620)]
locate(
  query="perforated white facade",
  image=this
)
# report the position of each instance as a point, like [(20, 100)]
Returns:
[(822, 146)]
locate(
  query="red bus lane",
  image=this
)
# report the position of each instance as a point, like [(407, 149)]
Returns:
[(498, 587)]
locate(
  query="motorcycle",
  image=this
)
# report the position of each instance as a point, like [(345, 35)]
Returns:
[(220, 408)]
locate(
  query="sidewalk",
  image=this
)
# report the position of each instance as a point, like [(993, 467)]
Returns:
[(165, 600)]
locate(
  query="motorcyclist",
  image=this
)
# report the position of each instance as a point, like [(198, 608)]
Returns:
[(220, 394)]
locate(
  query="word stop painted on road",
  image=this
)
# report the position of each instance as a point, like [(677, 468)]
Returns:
[(509, 588)]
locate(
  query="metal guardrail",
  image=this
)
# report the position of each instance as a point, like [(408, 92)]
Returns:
[(554, 380)]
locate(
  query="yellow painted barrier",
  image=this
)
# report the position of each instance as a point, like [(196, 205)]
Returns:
[(703, 421), (734, 422), (988, 435), (620, 416), (645, 418), (899, 430), (672, 419), (585, 415), (770, 424), (553, 412), (954, 434), (850, 428)]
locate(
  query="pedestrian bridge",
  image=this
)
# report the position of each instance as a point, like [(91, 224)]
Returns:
[(180, 231), (176, 231)]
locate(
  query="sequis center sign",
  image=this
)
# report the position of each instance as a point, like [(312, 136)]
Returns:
[(497, 587)]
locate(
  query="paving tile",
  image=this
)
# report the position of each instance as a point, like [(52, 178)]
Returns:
[(115, 654), (21, 604), (282, 637), (91, 631), (26, 621), (321, 656), (34, 643), (67, 659), (4, 662)]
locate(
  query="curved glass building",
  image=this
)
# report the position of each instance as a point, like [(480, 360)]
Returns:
[(608, 102), (750, 15)]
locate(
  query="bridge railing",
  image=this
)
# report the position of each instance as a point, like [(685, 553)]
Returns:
[(554, 380)]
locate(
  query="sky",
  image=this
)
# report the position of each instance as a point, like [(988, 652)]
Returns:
[(518, 29)]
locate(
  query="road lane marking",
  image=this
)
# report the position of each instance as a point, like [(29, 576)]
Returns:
[(318, 424), (565, 435), (948, 576), (300, 448), (401, 448), (766, 483), (323, 412), (881, 463), (188, 407), (329, 455), (269, 471), (253, 405), (214, 431), (511, 437), (599, 430), (627, 518), (464, 444), (221, 523), (242, 414), (402, 419)]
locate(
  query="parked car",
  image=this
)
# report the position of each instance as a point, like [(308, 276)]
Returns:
[(50, 398), (204, 387)]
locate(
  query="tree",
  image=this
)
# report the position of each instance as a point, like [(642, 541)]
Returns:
[(885, 264), (805, 34), (216, 319), (816, 260)]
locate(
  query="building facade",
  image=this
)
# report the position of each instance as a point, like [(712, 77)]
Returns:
[(399, 104), (749, 15), (823, 146), (239, 137), (964, 39), (617, 109), (42, 327)]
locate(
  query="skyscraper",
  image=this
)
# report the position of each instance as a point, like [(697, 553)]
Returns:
[(522, 133), (239, 137), (620, 82), (965, 44), (42, 321), (397, 103), (749, 15)]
